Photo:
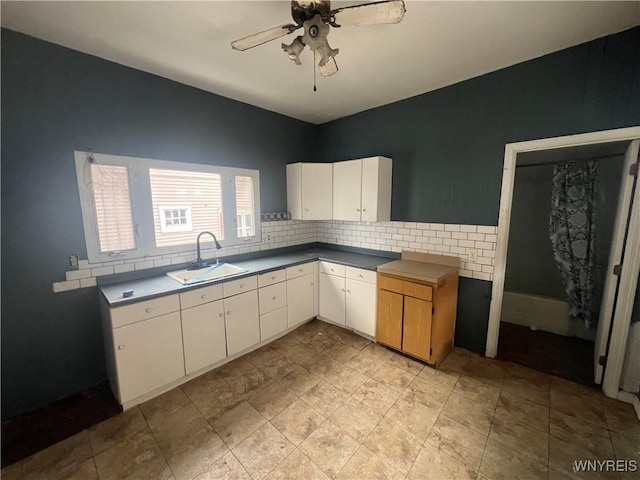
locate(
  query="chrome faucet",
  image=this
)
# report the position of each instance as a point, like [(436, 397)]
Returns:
[(199, 263)]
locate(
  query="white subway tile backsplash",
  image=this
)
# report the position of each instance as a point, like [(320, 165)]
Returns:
[(88, 282), (77, 274), (436, 238), (487, 229), (96, 272), (127, 267), (66, 286)]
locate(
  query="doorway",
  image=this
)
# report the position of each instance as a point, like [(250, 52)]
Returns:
[(619, 290), (539, 328)]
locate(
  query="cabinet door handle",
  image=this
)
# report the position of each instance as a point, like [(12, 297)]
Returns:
[(148, 310), (360, 275), (228, 312), (274, 298), (306, 209), (348, 291), (273, 278), (342, 290), (203, 297), (332, 269), (357, 209), (312, 284), (300, 270), (242, 285), (221, 314), (120, 347), (364, 209)]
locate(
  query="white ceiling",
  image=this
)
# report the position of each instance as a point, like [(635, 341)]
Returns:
[(436, 44)]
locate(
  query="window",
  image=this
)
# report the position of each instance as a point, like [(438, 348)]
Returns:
[(136, 207), (175, 219)]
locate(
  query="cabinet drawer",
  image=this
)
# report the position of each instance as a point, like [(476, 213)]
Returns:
[(332, 268), (368, 276), (272, 297), (235, 287), (299, 270), (128, 314), (270, 278), (201, 295), (417, 290)]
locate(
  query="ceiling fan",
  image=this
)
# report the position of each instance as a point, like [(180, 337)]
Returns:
[(316, 17)]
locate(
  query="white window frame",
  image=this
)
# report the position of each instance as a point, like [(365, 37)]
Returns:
[(142, 207), (187, 227)]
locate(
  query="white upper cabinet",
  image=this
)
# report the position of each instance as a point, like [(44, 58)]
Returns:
[(362, 190), (309, 191)]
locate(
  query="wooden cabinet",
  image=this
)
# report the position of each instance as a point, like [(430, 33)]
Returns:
[(362, 189), (332, 298), (310, 191), (242, 321), (300, 294), (417, 303), (148, 354), (348, 297), (360, 306), (204, 336)]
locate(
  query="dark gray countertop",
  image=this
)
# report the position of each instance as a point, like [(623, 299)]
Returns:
[(159, 285)]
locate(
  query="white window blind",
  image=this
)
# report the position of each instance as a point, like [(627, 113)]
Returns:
[(200, 192), (245, 212), (112, 201)]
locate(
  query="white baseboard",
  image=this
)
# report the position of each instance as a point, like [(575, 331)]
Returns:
[(631, 398)]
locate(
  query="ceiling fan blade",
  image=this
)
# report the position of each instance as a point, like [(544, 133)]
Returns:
[(328, 68), (263, 37), (376, 13)]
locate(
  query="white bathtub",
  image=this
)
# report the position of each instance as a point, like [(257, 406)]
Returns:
[(542, 313)]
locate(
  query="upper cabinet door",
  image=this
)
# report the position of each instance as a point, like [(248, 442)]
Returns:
[(317, 191), (310, 191), (347, 190), (376, 189)]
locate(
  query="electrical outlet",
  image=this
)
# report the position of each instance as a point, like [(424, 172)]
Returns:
[(473, 255), (73, 261)]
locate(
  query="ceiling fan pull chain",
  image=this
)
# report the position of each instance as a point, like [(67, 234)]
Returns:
[(314, 71)]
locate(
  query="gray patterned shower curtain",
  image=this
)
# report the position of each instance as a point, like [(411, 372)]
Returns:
[(572, 232)]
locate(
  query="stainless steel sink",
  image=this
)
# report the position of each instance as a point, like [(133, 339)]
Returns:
[(207, 274)]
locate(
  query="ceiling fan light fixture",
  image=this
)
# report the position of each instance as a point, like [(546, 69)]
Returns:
[(294, 49)]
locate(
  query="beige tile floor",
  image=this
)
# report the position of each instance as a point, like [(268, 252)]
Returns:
[(324, 403)]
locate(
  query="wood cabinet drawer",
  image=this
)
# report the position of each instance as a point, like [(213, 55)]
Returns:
[(272, 297), (368, 276), (417, 290), (136, 312), (242, 285), (199, 296), (299, 270), (270, 278), (332, 268)]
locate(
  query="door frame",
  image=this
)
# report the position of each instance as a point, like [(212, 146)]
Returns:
[(616, 358)]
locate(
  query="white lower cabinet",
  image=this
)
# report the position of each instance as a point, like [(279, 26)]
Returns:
[(273, 323), (242, 321), (300, 299), (148, 355), (332, 298), (360, 306), (348, 297), (203, 332)]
